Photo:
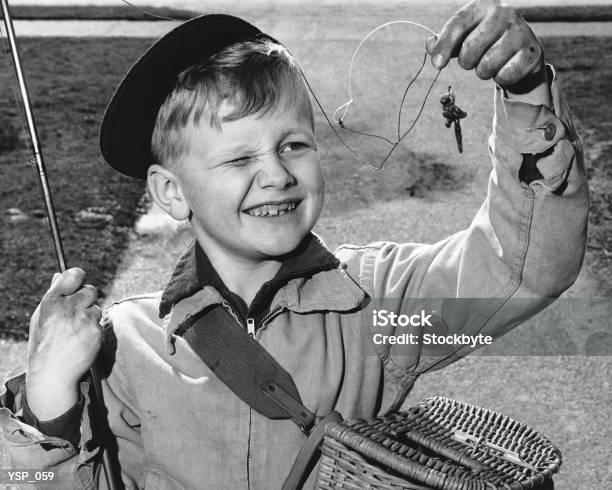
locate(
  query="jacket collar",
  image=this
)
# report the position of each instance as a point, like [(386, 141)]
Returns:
[(312, 279)]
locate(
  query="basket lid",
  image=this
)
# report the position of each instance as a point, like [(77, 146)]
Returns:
[(444, 444)]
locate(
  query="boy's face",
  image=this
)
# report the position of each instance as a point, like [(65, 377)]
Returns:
[(255, 187)]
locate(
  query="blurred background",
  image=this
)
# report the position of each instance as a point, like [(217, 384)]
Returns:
[(74, 54)]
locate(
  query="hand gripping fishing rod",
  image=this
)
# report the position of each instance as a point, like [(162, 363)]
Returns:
[(36, 159)]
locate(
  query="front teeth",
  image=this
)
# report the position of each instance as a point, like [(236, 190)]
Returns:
[(273, 209)]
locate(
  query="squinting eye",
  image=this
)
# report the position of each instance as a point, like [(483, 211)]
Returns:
[(294, 146), (239, 162)]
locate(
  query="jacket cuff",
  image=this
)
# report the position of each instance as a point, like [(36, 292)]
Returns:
[(528, 128), (545, 138), (66, 426), (16, 432)]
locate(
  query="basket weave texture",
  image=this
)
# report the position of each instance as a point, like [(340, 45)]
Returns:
[(439, 444)]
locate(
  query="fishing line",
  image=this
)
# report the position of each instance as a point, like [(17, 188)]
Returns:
[(344, 108), (399, 113), (341, 112), (340, 121), (347, 104), (348, 147), (146, 12)]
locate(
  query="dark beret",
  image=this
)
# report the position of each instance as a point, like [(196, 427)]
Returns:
[(125, 135)]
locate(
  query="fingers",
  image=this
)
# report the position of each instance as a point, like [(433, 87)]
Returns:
[(68, 282), (95, 313), (87, 295), (492, 38), (478, 42), (511, 59), (56, 276), (523, 63), (456, 29), (496, 57), (430, 44)]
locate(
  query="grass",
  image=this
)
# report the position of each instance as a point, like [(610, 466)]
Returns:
[(94, 12), (585, 67), (9, 134), (70, 84)]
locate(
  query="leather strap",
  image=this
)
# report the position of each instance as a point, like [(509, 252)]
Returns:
[(302, 466), (245, 367)]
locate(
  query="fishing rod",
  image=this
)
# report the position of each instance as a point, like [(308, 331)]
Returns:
[(37, 162)]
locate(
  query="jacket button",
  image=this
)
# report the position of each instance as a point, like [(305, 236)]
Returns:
[(550, 130)]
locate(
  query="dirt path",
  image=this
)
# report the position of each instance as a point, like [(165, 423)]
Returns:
[(154, 29)]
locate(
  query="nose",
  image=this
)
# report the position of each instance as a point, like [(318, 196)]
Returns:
[(274, 173)]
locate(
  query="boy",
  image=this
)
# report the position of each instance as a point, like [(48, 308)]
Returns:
[(216, 117)]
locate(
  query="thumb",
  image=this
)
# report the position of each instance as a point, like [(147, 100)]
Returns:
[(55, 277), (430, 44), (67, 283)]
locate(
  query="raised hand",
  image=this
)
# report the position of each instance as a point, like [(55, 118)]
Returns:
[(493, 40)]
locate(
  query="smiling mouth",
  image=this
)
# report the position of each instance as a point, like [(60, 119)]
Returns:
[(272, 209)]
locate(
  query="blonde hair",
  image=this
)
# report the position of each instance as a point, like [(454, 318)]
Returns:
[(253, 76)]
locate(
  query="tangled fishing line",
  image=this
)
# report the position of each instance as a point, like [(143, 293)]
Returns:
[(338, 120)]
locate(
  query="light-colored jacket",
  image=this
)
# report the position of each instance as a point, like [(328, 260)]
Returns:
[(177, 426)]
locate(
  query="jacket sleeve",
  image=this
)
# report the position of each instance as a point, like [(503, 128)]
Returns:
[(66, 426), (74, 466), (30, 449), (524, 246)]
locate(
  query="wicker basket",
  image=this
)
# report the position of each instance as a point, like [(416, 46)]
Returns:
[(441, 444)]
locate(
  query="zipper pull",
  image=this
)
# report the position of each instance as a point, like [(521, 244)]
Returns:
[(251, 327)]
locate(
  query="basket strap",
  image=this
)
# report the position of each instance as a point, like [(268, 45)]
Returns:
[(248, 369), (302, 464)]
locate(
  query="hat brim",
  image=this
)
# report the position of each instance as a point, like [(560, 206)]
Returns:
[(125, 134)]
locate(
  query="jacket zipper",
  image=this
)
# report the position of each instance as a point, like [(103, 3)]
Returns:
[(231, 310), (249, 450), (251, 329), (250, 323), (269, 316), (251, 332)]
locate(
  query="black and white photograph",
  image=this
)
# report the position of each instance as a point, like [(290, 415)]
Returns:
[(279, 244)]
